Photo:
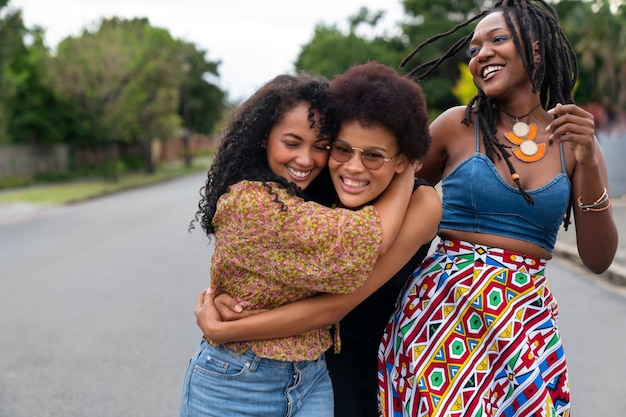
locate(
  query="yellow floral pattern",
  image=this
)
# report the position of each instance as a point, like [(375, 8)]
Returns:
[(265, 257)]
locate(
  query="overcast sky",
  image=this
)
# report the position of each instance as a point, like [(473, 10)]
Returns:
[(254, 39)]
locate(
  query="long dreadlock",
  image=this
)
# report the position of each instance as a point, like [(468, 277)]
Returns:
[(554, 77)]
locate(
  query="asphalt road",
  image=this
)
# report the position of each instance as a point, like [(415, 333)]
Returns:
[(592, 322), (96, 305), (96, 315)]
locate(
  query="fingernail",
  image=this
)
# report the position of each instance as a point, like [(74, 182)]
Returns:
[(238, 308)]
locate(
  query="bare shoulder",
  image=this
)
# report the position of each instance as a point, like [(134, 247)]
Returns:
[(427, 197), (425, 211), (451, 141), (449, 124), (450, 136)]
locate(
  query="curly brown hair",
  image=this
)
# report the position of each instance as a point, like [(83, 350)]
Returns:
[(375, 94), (240, 155)]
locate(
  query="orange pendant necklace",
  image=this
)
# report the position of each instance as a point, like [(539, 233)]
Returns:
[(523, 135)]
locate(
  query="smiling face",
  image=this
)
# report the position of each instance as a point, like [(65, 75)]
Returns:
[(495, 64), (355, 184), (294, 150)]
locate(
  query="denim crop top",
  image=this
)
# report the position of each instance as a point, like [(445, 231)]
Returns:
[(477, 199)]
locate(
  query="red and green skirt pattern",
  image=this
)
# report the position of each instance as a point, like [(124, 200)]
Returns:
[(474, 334)]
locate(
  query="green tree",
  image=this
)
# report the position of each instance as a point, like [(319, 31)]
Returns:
[(202, 104), (425, 19), (598, 34), (128, 77), (11, 41), (37, 116), (121, 74), (331, 51)]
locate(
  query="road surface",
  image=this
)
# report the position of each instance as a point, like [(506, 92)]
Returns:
[(96, 311)]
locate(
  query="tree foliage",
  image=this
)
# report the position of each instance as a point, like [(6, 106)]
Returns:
[(202, 104), (124, 82), (30, 112), (134, 83), (124, 78), (128, 82), (11, 40), (598, 33), (597, 30), (331, 51), (38, 116)]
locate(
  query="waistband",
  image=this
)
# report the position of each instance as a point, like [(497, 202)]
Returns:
[(492, 256), (255, 361)]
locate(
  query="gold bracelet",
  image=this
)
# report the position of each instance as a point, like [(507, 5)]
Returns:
[(598, 201), (604, 198), (601, 200), (598, 209)]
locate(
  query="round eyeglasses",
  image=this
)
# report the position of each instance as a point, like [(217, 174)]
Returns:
[(370, 158)]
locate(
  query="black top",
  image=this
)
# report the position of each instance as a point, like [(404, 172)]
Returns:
[(367, 321), (354, 371)]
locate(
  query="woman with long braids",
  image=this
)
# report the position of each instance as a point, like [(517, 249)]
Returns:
[(474, 332)]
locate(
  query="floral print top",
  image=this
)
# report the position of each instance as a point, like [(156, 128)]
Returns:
[(272, 248)]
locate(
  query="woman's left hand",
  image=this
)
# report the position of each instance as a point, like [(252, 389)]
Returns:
[(575, 126), (230, 309), (213, 313)]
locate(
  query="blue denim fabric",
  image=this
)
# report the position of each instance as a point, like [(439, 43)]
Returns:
[(222, 383), (477, 199)]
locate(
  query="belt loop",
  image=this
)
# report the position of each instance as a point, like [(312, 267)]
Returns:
[(254, 363)]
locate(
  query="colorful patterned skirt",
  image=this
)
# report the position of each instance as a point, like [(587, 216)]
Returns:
[(474, 334)]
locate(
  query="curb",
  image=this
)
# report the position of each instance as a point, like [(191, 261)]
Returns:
[(615, 274), (13, 213)]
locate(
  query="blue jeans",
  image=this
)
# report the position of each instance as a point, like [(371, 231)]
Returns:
[(222, 383)]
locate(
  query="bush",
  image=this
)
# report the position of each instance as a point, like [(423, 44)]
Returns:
[(14, 182)]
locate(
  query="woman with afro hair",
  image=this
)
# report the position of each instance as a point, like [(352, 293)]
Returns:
[(380, 116), (275, 244)]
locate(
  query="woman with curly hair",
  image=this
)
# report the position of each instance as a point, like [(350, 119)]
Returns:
[(475, 330), (274, 245), (379, 113)]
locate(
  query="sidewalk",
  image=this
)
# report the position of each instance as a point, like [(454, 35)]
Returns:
[(565, 246), (20, 212), (616, 274)]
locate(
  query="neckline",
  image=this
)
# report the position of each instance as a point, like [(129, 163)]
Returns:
[(517, 118)]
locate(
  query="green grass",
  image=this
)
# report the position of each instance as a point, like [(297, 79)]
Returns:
[(79, 190)]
